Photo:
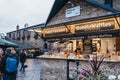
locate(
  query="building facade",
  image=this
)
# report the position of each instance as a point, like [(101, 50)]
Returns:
[(28, 35)]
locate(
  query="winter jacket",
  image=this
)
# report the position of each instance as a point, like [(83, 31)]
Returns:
[(4, 60), (22, 57)]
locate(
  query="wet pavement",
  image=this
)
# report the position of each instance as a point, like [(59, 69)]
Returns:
[(32, 72)]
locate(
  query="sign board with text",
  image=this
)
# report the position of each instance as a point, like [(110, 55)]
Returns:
[(95, 26), (75, 11)]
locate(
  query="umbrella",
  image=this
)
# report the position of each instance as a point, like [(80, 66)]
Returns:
[(5, 43)]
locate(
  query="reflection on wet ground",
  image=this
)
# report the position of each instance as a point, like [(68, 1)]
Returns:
[(32, 72)]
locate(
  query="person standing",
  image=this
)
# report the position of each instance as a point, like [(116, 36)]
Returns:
[(22, 60), (10, 63)]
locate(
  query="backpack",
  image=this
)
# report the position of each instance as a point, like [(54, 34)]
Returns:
[(11, 64)]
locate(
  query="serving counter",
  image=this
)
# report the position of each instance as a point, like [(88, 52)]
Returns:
[(64, 68)]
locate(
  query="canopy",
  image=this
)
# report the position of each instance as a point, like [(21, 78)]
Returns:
[(5, 43)]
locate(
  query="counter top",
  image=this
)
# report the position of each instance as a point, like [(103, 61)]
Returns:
[(72, 59)]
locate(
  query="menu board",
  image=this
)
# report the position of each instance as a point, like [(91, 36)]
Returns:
[(87, 46)]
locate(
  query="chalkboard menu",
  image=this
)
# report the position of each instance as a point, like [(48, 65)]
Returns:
[(87, 46)]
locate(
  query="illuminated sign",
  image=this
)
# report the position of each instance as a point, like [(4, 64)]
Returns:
[(94, 26), (55, 30)]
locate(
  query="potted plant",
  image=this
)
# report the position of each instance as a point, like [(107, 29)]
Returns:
[(92, 71)]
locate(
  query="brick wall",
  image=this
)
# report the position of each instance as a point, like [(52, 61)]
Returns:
[(56, 69), (87, 10)]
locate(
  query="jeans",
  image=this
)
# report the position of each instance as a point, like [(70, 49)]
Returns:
[(22, 66)]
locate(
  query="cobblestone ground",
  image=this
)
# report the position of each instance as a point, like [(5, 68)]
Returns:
[(32, 72)]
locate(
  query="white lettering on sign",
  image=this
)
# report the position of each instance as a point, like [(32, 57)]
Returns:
[(72, 11), (95, 26), (54, 30)]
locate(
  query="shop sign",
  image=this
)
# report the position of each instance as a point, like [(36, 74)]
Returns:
[(95, 26), (51, 31), (72, 11), (60, 30)]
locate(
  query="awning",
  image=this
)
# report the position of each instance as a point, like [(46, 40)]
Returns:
[(5, 43), (83, 35)]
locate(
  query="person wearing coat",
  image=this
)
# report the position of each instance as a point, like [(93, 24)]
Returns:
[(22, 60), (10, 73)]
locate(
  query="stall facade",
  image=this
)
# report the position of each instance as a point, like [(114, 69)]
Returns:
[(87, 26), (96, 29), (99, 35)]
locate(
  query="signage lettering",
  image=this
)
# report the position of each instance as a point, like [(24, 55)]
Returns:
[(95, 26), (54, 30)]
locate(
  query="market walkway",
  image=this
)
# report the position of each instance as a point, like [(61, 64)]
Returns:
[(32, 72)]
